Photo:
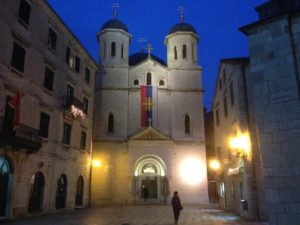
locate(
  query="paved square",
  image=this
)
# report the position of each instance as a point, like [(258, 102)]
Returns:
[(137, 215)]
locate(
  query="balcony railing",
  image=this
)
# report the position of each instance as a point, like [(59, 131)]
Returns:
[(73, 107), (24, 137)]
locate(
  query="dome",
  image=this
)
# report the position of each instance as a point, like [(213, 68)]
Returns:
[(141, 56), (185, 27), (114, 24)]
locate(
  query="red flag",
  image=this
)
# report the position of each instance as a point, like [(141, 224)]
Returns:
[(15, 103)]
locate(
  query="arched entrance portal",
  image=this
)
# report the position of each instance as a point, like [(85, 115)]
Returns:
[(37, 183), (61, 192), (79, 191), (5, 185), (150, 182)]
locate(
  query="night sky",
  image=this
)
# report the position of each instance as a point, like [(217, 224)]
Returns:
[(216, 22)]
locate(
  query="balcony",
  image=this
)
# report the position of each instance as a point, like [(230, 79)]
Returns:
[(73, 107), (24, 137)]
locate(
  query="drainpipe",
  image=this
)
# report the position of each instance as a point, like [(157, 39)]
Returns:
[(253, 172)]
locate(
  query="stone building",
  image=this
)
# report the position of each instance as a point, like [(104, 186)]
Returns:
[(240, 183), (46, 112), (274, 43), (149, 127)]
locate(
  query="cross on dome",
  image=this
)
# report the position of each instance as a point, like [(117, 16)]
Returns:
[(115, 6), (149, 48), (181, 10)]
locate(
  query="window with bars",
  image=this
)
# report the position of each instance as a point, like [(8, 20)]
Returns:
[(18, 57), (44, 125), (48, 79)]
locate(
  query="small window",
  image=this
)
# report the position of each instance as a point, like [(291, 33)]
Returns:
[(184, 51), (161, 83), (220, 84), (69, 57), (83, 140), (67, 134), (18, 57), (136, 82), (193, 52), (113, 49), (48, 80), (231, 93), (85, 105), (175, 53), (87, 75), (149, 79), (217, 117), (225, 106), (44, 125), (52, 38), (122, 51), (24, 11), (77, 64), (187, 125), (224, 75), (110, 129)]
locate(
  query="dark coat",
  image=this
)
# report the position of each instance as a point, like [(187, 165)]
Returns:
[(176, 204)]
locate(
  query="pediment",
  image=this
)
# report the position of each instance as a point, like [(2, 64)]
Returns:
[(149, 134)]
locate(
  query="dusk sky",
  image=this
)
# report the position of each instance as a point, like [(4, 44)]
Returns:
[(216, 22)]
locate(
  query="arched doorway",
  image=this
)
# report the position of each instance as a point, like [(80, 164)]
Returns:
[(150, 183), (5, 185), (61, 192), (36, 194), (79, 191)]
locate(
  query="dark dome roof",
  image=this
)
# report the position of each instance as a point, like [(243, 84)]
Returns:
[(185, 27), (114, 24), (141, 56)]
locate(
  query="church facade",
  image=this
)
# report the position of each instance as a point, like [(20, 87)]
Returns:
[(148, 124)]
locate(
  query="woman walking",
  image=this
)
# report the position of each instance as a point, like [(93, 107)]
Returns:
[(176, 205)]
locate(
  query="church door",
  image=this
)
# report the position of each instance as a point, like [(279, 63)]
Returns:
[(37, 184), (79, 192), (5, 180), (61, 192)]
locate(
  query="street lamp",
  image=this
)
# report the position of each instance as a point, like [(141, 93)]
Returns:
[(241, 145)]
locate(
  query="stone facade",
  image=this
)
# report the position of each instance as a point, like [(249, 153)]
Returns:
[(161, 155), (45, 155), (231, 121), (274, 43)]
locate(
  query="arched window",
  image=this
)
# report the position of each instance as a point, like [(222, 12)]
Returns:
[(113, 49), (175, 53), (193, 52), (161, 83), (5, 184), (136, 82), (184, 51), (110, 127), (122, 51), (149, 82), (187, 125)]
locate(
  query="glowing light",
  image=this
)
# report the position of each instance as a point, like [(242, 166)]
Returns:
[(76, 112), (214, 164), (96, 163), (192, 171), (241, 144)]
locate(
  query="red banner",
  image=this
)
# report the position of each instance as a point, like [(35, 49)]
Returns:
[(15, 103)]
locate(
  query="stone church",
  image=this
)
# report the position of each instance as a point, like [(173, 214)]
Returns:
[(148, 120)]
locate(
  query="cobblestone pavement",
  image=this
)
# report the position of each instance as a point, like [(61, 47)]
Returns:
[(137, 215)]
